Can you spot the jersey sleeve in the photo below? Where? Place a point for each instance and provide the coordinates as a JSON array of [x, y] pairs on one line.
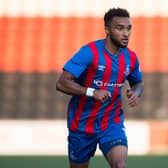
[[79, 62], [136, 74]]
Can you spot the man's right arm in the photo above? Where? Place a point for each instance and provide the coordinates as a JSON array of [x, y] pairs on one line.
[[66, 84]]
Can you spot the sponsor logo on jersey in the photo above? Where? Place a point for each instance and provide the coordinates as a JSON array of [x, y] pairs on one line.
[[101, 83]]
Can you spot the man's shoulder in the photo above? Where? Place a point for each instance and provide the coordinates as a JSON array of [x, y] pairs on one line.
[[96, 42], [131, 52], [92, 45]]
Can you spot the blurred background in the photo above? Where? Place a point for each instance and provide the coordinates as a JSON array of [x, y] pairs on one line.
[[37, 37]]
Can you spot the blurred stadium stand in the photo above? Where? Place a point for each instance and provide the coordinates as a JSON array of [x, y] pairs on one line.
[[30, 96], [33, 96]]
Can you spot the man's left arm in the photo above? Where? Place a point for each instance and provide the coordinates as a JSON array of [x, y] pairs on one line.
[[133, 94]]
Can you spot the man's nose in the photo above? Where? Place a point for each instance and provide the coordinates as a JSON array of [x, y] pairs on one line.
[[126, 32]]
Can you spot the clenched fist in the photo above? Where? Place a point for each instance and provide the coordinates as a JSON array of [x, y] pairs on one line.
[[101, 95]]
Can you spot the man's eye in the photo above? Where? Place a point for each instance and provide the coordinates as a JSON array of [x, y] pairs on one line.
[[120, 28]]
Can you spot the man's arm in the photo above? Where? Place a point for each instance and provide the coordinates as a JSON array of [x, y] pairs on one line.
[[134, 93], [66, 84], [138, 88]]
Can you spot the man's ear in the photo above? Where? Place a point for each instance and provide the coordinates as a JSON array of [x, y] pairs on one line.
[[107, 30]]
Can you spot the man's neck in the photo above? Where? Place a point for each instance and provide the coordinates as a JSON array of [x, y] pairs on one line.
[[111, 47]]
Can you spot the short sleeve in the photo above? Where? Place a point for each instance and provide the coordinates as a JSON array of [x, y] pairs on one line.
[[79, 62], [136, 74]]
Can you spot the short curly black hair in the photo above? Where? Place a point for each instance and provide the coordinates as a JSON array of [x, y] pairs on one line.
[[114, 12]]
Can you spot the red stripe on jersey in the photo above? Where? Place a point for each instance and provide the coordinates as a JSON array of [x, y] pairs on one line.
[[88, 82], [132, 59], [97, 104], [120, 78]]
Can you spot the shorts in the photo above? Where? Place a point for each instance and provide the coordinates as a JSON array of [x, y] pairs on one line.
[[81, 146]]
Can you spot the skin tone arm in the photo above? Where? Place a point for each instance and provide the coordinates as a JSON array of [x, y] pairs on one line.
[[66, 84], [134, 93]]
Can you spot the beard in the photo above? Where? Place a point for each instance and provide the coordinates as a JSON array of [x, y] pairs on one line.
[[116, 42]]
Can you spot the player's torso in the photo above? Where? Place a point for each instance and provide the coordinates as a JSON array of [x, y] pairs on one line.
[[105, 72]]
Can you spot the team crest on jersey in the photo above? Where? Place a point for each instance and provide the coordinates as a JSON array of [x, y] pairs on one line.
[[101, 67], [127, 70]]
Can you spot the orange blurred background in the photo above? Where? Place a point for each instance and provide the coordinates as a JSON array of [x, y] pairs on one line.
[[43, 44]]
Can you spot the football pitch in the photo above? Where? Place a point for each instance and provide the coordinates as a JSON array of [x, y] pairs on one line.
[[146, 161]]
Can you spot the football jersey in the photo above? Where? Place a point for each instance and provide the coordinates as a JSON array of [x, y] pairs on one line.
[[94, 66]]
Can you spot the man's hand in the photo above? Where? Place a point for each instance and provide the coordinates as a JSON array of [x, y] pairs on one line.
[[133, 99], [101, 95]]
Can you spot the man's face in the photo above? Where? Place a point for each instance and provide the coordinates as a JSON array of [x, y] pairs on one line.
[[119, 31]]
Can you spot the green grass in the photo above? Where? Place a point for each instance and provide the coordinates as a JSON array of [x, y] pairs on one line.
[[147, 161]]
